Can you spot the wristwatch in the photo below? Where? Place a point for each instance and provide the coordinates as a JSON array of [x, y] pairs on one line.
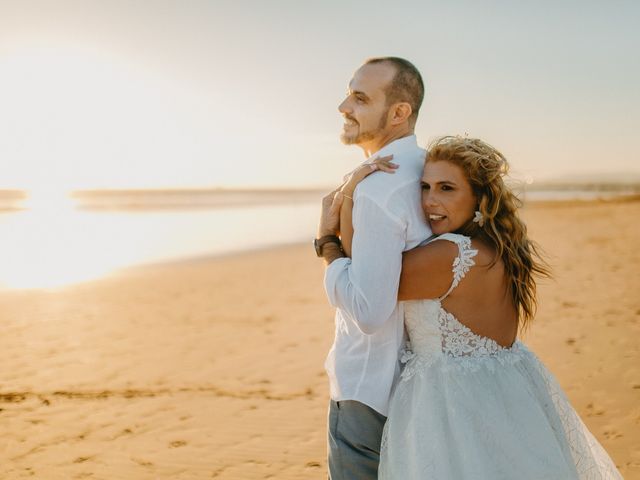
[[318, 243]]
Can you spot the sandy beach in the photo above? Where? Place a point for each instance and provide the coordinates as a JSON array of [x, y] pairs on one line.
[[213, 367]]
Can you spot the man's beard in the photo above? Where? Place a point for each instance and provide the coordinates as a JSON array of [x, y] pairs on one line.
[[363, 137]]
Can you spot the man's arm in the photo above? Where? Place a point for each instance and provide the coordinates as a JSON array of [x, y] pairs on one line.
[[366, 286]]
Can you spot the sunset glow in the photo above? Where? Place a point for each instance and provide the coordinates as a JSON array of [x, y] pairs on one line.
[[215, 95], [44, 248], [208, 95], [53, 244]]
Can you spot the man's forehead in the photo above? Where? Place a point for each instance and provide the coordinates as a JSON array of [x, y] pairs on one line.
[[371, 78]]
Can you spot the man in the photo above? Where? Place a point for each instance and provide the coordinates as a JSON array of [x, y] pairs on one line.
[[380, 112]]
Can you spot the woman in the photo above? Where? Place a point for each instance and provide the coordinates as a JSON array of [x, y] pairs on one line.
[[472, 401]]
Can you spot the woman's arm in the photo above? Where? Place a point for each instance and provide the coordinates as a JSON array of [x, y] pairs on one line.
[[346, 223], [426, 271]]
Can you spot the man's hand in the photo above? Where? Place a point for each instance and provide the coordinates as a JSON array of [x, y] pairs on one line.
[[330, 215]]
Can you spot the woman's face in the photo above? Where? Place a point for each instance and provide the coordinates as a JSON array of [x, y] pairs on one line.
[[447, 199]]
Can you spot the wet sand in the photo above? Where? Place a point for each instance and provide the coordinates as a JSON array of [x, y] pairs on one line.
[[213, 368]]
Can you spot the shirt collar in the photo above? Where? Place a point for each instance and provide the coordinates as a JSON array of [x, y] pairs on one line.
[[401, 145]]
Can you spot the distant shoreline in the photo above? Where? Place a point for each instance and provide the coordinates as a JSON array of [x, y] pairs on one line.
[[193, 235], [141, 200], [282, 247]]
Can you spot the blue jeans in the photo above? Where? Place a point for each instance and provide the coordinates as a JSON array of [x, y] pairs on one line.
[[354, 436]]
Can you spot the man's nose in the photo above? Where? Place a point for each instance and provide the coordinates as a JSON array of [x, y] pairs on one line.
[[344, 106]]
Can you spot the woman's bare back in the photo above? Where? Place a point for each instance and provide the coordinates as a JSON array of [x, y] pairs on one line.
[[481, 301]]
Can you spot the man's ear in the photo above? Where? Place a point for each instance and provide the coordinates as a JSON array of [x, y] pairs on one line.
[[400, 113]]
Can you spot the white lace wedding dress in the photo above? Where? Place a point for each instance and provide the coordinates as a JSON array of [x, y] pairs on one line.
[[467, 408]]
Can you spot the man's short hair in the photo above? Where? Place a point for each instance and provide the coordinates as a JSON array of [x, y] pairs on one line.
[[406, 86]]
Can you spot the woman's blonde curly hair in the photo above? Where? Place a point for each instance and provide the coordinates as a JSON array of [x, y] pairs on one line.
[[485, 169]]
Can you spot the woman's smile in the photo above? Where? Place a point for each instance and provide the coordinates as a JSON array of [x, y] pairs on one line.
[[446, 188]]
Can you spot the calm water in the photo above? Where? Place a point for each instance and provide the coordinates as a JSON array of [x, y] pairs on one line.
[[51, 242]]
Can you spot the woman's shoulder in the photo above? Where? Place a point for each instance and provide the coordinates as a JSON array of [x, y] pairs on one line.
[[463, 242], [437, 251], [431, 262], [441, 262], [465, 246]]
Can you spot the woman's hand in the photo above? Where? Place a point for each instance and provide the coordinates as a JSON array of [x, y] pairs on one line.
[[382, 164], [330, 214], [332, 202]]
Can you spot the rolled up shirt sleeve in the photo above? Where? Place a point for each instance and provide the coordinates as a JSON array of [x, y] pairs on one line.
[[365, 287]]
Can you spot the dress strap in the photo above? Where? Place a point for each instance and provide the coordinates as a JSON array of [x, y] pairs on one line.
[[463, 262]]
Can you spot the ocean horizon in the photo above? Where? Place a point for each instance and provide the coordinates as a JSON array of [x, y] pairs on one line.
[[214, 198], [50, 242]]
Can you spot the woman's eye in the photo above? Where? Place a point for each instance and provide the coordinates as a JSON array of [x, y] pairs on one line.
[[425, 187], [446, 187]]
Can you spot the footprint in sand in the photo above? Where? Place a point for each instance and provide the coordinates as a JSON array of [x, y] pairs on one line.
[[288, 346], [594, 411], [177, 444], [144, 463], [126, 431]]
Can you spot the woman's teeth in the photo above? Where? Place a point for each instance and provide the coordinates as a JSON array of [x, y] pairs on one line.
[[436, 217]]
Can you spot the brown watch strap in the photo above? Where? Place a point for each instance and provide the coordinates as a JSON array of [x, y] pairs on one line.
[[320, 242]]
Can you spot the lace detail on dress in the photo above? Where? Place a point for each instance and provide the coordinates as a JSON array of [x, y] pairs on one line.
[[463, 262], [437, 335], [440, 336], [406, 353], [468, 352], [459, 341]]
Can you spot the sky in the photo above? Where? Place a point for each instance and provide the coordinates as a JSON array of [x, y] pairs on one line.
[[193, 93]]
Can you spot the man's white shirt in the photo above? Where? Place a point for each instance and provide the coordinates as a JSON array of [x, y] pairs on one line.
[[387, 219]]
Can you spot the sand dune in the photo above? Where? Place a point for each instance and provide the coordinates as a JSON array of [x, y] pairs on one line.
[[213, 368]]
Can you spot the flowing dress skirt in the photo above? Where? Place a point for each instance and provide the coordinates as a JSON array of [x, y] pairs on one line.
[[500, 416]]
